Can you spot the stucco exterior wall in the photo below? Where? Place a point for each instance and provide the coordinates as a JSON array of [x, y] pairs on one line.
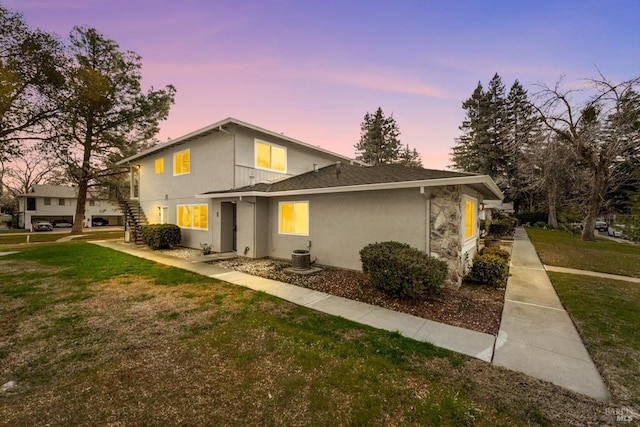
[[342, 224]]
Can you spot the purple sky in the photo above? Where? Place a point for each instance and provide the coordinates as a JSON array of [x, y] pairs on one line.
[[312, 69]]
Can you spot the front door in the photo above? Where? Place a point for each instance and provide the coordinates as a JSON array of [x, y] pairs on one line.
[[228, 228]]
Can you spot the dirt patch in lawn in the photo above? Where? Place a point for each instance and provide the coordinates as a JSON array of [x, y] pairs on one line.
[[474, 307]]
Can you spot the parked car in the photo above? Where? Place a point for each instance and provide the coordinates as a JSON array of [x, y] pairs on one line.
[[601, 226], [42, 226], [60, 223], [99, 222], [615, 230]]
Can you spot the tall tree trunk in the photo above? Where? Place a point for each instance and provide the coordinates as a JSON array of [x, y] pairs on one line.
[[597, 190], [84, 178], [78, 220], [552, 196]]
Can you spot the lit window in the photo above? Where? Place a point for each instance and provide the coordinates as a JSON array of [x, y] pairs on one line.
[[200, 217], [193, 216], [182, 162], [184, 216], [294, 218], [159, 166], [470, 219], [269, 156]]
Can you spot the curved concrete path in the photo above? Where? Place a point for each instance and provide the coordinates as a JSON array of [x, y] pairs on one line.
[[536, 335]]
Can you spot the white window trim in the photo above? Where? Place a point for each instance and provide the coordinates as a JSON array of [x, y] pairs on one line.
[[173, 166], [308, 217], [255, 156], [191, 215], [463, 228]]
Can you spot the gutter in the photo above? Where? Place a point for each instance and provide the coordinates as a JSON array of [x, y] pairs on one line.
[[466, 180]]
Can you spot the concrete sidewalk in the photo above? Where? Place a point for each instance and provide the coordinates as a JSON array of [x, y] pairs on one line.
[[591, 273], [470, 343], [536, 335]]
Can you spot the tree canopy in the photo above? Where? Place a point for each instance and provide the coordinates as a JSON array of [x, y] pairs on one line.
[[31, 73], [103, 111], [380, 143]]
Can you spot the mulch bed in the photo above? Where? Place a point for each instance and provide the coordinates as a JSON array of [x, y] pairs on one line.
[[474, 307]]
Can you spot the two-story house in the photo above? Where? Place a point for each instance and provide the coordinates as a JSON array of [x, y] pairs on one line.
[[242, 188], [57, 203]]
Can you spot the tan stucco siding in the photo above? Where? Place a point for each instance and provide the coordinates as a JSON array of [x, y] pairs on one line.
[[342, 224]]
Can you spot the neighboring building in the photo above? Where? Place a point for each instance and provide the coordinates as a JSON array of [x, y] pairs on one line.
[[242, 188], [490, 206], [58, 203]]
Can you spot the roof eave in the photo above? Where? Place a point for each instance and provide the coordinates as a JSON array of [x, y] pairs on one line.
[[486, 181], [216, 127]]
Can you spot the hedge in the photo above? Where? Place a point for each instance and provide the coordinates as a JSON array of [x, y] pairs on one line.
[[160, 236], [402, 271]]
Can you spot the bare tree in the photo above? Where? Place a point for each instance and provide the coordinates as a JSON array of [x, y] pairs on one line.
[[599, 124], [29, 168]]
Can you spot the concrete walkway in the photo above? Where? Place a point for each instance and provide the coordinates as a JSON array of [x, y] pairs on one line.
[[536, 335], [591, 273]]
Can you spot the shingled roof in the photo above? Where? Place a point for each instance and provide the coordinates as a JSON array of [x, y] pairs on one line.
[[352, 176]]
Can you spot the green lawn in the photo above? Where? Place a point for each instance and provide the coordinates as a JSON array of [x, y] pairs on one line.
[[97, 337], [606, 312], [11, 238], [565, 250]]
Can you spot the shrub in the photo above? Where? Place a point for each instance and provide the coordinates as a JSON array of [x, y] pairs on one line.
[[501, 227], [495, 250], [402, 271], [490, 269], [160, 236]]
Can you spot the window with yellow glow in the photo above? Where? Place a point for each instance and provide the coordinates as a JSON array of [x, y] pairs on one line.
[[184, 216], [193, 216], [294, 218], [470, 219], [159, 166], [182, 162], [269, 156]]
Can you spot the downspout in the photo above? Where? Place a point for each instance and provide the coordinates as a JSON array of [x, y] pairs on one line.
[[427, 195]]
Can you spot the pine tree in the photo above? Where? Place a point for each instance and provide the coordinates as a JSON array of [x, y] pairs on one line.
[[379, 141]]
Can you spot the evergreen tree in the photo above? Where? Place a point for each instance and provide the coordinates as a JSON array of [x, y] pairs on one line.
[[523, 134], [379, 142], [497, 131], [104, 111]]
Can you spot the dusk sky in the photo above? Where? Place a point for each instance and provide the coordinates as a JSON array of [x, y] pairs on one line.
[[312, 69]]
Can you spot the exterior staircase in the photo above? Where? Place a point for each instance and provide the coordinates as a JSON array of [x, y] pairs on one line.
[[134, 217]]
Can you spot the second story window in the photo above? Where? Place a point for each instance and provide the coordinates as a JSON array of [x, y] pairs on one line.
[[47, 201], [159, 166], [31, 203], [270, 156], [182, 162], [61, 202]]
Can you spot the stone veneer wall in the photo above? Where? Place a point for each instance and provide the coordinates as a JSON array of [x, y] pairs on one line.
[[445, 223]]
